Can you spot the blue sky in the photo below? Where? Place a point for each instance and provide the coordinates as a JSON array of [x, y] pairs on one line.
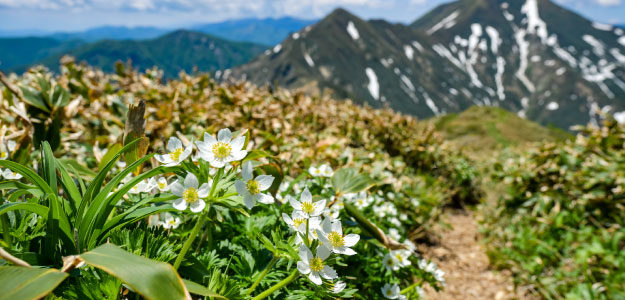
[[68, 15]]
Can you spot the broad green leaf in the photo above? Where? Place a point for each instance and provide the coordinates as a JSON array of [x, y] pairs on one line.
[[25, 283], [151, 279], [256, 154], [33, 98], [198, 289], [348, 180], [134, 216]]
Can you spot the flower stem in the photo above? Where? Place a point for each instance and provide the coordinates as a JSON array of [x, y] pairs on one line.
[[412, 286], [278, 285], [189, 241], [6, 230], [262, 275]]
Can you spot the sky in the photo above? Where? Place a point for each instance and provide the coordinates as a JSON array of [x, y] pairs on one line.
[[75, 15]]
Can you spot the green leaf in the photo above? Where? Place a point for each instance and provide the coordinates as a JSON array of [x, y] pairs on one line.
[[256, 154], [28, 283], [32, 207], [109, 155], [151, 279], [348, 180], [33, 98], [198, 289], [80, 169]]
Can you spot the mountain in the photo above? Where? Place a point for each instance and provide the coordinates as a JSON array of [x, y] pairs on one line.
[[111, 33], [16, 52], [260, 31], [532, 57], [173, 52]]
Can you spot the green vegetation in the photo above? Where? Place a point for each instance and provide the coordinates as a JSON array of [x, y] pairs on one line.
[[559, 226]]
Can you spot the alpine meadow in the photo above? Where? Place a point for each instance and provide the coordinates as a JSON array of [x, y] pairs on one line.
[[226, 150]]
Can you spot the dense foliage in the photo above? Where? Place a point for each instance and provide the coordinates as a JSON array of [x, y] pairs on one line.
[[82, 170], [560, 225]]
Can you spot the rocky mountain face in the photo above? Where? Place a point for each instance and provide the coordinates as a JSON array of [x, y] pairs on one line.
[[532, 57]]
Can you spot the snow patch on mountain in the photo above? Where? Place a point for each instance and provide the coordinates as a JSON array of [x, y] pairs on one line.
[[553, 105], [523, 53], [621, 41], [277, 48], [446, 22], [601, 26], [620, 117], [598, 47], [417, 46], [309, 60], [373, 86], [352, 31], [535, 25], [495, 41], [501, 64], [409, 51]]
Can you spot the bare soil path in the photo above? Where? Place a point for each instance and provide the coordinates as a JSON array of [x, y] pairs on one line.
[[467, 270]]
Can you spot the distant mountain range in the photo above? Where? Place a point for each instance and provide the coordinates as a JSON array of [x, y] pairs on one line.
[[19, 52], [532, 57], [174, 52]]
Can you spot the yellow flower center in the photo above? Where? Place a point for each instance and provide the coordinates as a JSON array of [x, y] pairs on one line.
[[316, 264], [190, 195], [308, 207], [253, 187], [172, 222], [161, 185], [298, 222], [389, 292], [175, 155], [4, 154], [221, 150], [336, 239]]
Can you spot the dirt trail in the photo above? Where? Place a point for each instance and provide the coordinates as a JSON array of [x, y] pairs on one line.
[[466, 265]]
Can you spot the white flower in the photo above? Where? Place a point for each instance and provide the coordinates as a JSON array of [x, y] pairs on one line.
[[297, 222], [7, 148], [162, 185], [250, 188], [8, 174], [143, 186], [391, 291], [316, 172], [338, 287], [362, 200], [189, 193], [314, 223], [326, 170], [401, 257], [171, 222], [331, 235], [218, 152], [394, 234], [177, 153], [390, 263], [314, 266], [307, 206]]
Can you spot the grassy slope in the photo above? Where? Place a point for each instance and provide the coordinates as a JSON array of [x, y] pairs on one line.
[[480, 131]]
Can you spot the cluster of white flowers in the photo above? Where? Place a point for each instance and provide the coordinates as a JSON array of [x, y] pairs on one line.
[[6, 148], [167, 220], [322, 171], [431, 267], [361, 200], [309, 214]]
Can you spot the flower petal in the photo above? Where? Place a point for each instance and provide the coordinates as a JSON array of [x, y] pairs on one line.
[[305, 254], [315, 278], [173, 143], [191, 181], [176, 188], [326, 225], [209, 140], [328, 273], [264, 198], [180, 204], [336, 226], [264, 181], [351, 239], [224, 135], [323, 252], [241, 188], [164, 159], [306, 196], [247, 171], [237, 155], [237, 143], [319, 207], [294, 203], [197, 206], [303, 267], [203, 191], [216, 163], [249, 201], [287, 219], [322, 237], [345, 251]]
